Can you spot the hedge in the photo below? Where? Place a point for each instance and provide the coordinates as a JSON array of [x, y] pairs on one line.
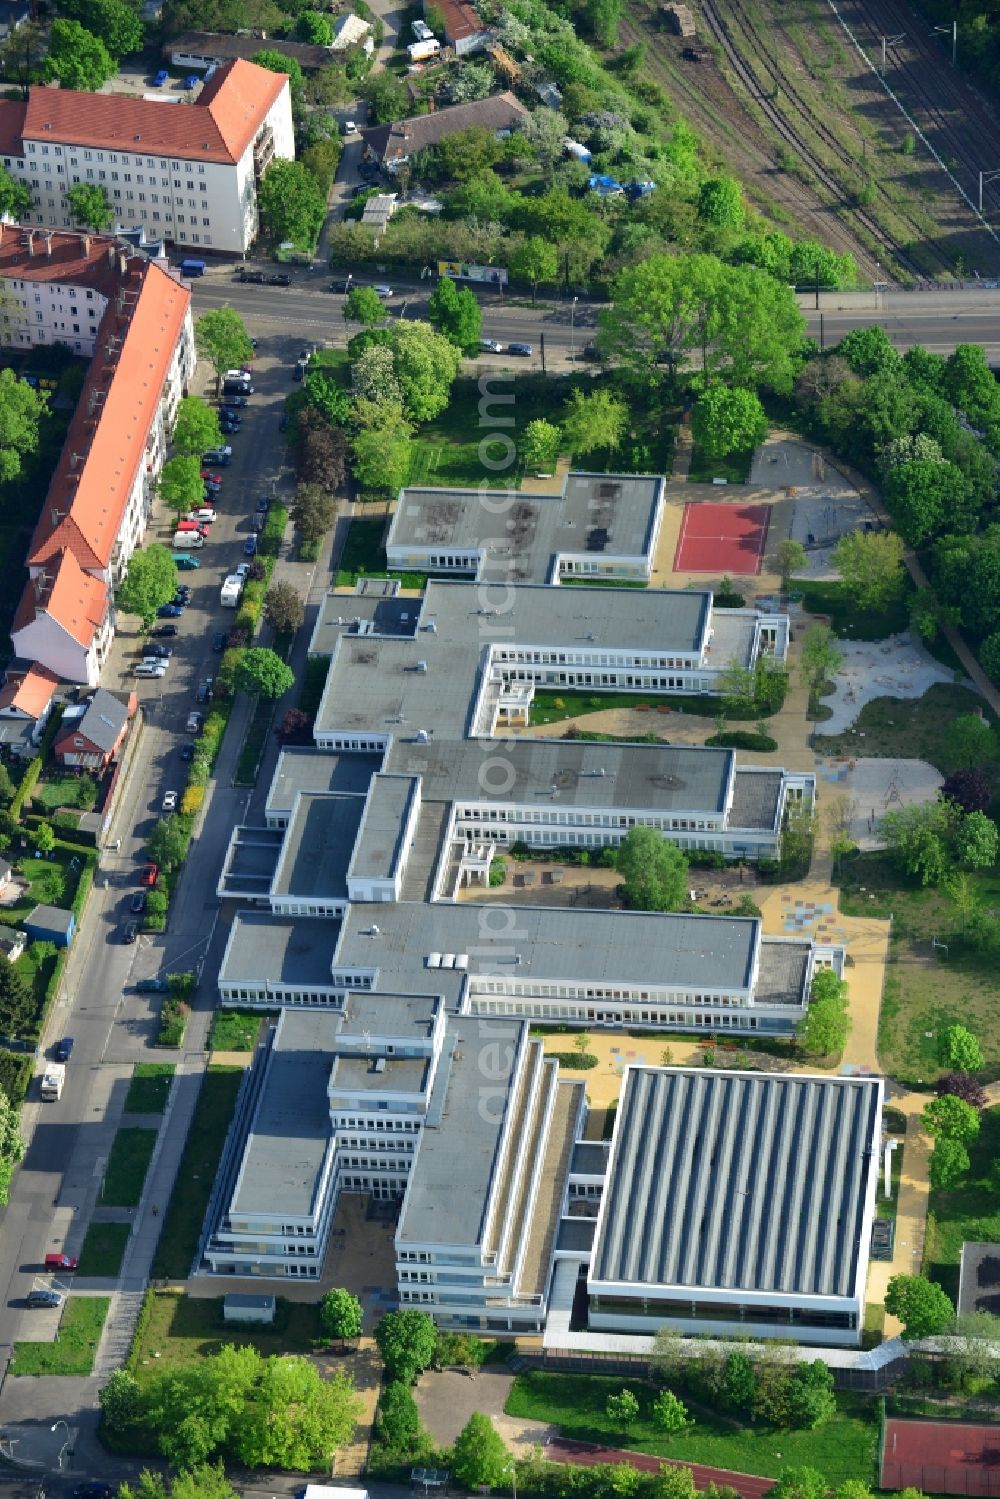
[[28, 782], [16, 1072], [743, 739], [580, 1061]]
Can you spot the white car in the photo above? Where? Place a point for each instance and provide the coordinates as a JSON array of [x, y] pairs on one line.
[[169, 801], [161, 661], [150, 668], [490, 346], [382, 291], [204, 517], [243, 571]]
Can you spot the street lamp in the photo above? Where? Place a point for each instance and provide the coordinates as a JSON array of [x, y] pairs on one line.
[[951, 31], [572, 331], [69, 1437], [891, 41]]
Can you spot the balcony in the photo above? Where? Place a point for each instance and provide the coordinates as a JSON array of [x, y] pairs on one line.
[[263, 152]]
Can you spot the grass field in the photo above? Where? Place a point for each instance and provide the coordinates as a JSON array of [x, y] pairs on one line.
[[76, 1343], [183, 1329], [196, 1175], [103, 1248], [844, 1448], [912, 729], [735, 467], [846, 619], [254, 743], [127, 1166], [65, 791], [924, 990], [149, 1088], [971, 1211], [235, 1030], [364, 556], [556, 707]]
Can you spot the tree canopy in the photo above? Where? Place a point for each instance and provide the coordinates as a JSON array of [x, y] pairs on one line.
[[117, 24], [950, 1118], [594, 421], [654, 871], [15, 196], [181, 485], [220, 336], [871, 565], [89, 205], [920, 1304], [77, 58], [480, 1456], [826, 1023], [167, 842], [283, 608], [151, 580], [364, 305], [959, 1050], [340, 1314], [455, 312], [262, 673], [291, 203], [196, 428], [21, 411], [727, 421], [406, 1340]]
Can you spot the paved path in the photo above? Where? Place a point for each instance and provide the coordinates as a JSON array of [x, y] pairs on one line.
[[587, 1455]]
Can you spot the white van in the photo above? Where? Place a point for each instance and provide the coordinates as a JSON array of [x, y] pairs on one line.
[[188, 541]]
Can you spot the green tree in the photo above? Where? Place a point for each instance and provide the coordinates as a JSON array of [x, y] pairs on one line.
[[479, 1456], [118, 24], [364, 305], [291, 205], [312, 511], [924, 498], [949, 1163], [21, 410], [15, 197], [825, 1026], [294, 1418], [196, 428], [603, 17], [406, 1340], [970, 742], [220, 336], [373, 376], [43, 838], [791, 558], [950, 1118], [821, 658], [959, 1051], [381, 447], [327, 395], [206, 1481], [871, 565], [386, 97], [535, 261], [727, 421], [593, 422], [397, 1423], [283, 608], [120, 1401], [262, 673], [798, 1483], [340, 1314], [151, 580], [90, 206], [277, 62], [17, 1005], [918, 839], [622, 1409], [11, 1145], [811, 1401], [181, 485], [426, 366], [654, 871], [314, 28], [77, 58], [739, 1382], [675, 1483], [920, 1304], [868, 351], [976, 841], [455, 312], [168, 841], [467, 154], [720, 202], [669, 1413], [540, 445]]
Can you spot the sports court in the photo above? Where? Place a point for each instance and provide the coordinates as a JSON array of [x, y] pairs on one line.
[[941, 1457], [722, 539]]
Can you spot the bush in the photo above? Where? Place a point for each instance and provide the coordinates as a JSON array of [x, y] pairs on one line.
[[16, 1071], [192, 799], [743, 739], [173, 1021], [582, 1061], [498, 873]]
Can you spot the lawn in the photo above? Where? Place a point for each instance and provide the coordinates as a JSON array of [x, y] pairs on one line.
[[555, 707], [183, 1329], [235, 1030], [65, 791], [104, 1248], [971, 1211], [149, 1088], [911, 729], [735, 467], [254, 742], [196, 1175], [844, 1448], [925, 991], [833, 599], [127, 1166], [75, 1345]]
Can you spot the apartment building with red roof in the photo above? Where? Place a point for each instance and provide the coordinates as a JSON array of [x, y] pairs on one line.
[[184, 172], [134, 318]]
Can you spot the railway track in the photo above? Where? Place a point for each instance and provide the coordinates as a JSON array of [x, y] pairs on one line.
[[794, 138]]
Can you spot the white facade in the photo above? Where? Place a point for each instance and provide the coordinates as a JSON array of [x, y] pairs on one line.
[[45, 640]]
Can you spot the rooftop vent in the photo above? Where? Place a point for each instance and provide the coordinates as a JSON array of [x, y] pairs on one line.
[[422, 736], [421, 666], [433, 960], [378, 1064]]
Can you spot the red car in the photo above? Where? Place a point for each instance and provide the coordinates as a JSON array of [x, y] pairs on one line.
[[214, 479], [150, 874], [60, 1262]]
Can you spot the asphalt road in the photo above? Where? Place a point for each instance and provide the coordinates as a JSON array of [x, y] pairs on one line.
[[58, 1183], [938, 320]]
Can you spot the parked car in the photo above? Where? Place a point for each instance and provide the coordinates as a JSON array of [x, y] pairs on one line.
[[204, 691], [164, 631], [243, 570], [194, 722], [42, 1299], [169, 611], [229, 425], [160, 78], [183, 561], [138, 903], [258, 520], [150, 669], [283, 422], [383, 291], [254, 278], [61, 1261], [222, 456], [214, 481], [152, 986], [205, 514], [524, 350], [187, 752], [490, 346], [64, 1049], [280, 278], [250, 546], [169, 803], [150, 874], [130, 932], [235, 402], [218, 640], [156, 652], [94, 1491], [263, 503]]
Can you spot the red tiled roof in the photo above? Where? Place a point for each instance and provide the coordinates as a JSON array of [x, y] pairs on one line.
[[106, 440], [218, 126], [459, 19], [73, 598], [12, 113], [29, 692], [73, 258]]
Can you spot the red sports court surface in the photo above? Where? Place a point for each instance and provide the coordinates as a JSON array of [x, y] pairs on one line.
[[941, 1457], [722, 538]]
